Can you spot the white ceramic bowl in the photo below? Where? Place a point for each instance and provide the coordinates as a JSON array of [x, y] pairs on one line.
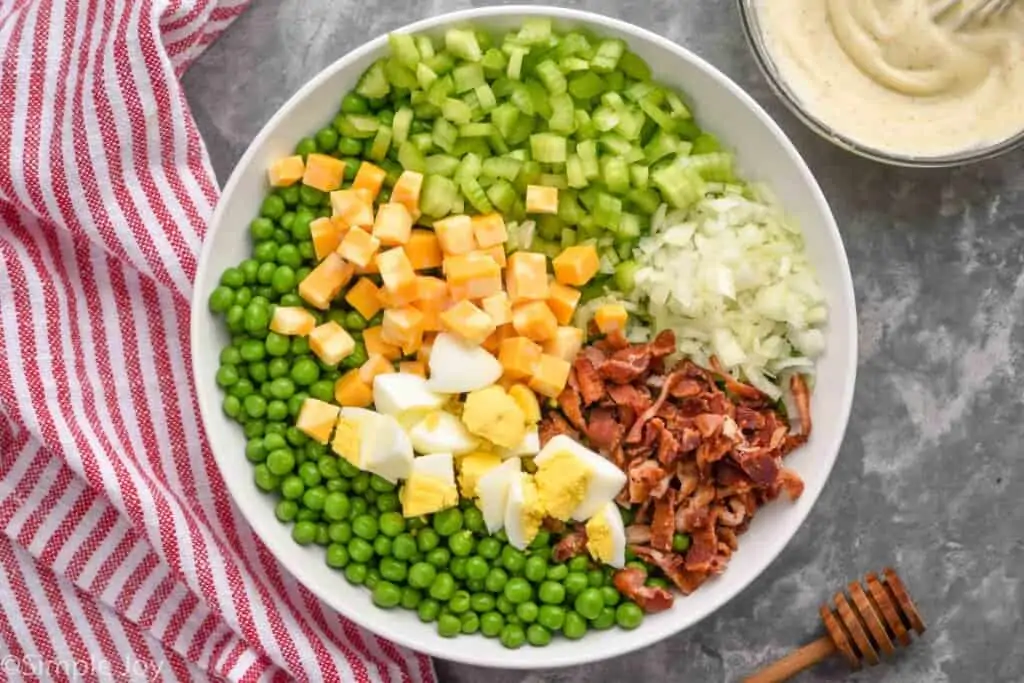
[[765, 154]]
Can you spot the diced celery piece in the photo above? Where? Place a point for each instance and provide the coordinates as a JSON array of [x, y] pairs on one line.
[[374, 83], [716, 166], [574, 172], [687, 129], [639, 175], [615, 143], [403, 48], [641, 91], [706, 143], [424, 141], [605, 119], [679, 110], [574, 43], [391, 172], [411, 158], [631, 123], [541, 99], [359, 126], [534, 31], [522, 130], [456, 111], [646, 200], [623, 251], [553, 180], [634, 67], [663, 144], [466, 146], [609, 53], [586, 85], [445, 134], [615, 174], [458, 205], [470, 100], [425, 47], [400, 76], [400, 126], [552, 78], [615, 81], [497, 144], [475, 195], [589, 197], [654, 112], [439, 197], [519, 155], [501, 167], [515, 63], [681, 186], [441, 165], [463, 44], [494, 62], [504, 118], [613, 101], [529, 175], [549, 249], [467, 76], [426, 112], [549, 227], [425, 76], [548, 148], [608, 211], [520, 97], [485, 96], [588, 158], [630, 226], [563, 114], [441, 63], [569, 64], [584, 126], [476, 130], [625, 276], [568, 237], [502, 195], [568, 209], [470, 167], [440, 90]]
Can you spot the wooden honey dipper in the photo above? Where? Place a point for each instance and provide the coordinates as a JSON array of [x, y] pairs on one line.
[[858, 628]]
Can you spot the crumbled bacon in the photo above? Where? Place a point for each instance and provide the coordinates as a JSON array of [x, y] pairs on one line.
[[570, 546], [651, 599], [554, 424], [699, 459]]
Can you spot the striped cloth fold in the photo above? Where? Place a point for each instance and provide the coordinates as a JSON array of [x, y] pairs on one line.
[[122, 556]]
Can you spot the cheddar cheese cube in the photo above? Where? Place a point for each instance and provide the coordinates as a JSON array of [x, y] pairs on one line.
[[541, 199], [364, 297], [359, 247], [355, 207], [407, 190], [526, 277], [489, 230], [611, 317], [286, 171], [398, 275], [497, 252], [431, 289], [324, 283], [518, 356], [498, 307], [292, 320], [413, 367], [316, 419], [467, 321], [576, 265], [455, 234], [493, 343], [550, 375], [566, 343], [326, 234], [472, 276], [423, 250], [331, 343], [562, 300], [350, 390], [534, 320], [402, 326], [393, 225], [375, 365], [373, 339], [369, 178], [323, 172]]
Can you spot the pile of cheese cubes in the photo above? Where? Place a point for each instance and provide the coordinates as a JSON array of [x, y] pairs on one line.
[[507, 305]]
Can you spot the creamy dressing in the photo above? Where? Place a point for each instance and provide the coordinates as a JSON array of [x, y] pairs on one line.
[[887, 75]]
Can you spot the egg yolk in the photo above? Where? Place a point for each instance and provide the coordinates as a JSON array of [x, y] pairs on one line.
[[423, 494], [599, 538], [346, 440], [472, 467], [532, 511], [494, 415], [562, 482]]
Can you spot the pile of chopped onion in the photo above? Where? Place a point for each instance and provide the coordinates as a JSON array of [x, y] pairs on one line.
[[730, 277]]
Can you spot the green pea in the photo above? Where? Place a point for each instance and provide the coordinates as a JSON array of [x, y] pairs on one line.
[[256, 319], [277, 411], [535, 569], [680, 543], [337, 555], [304, 532], [306, 252], [541, 540], [439, 557], [305, 372], [477, 568], [504, 605], [265, 293], [381, 485], [354, 104], [227, 375], [580, 563], [459, 602], [442, 587], [360, 550], [277, 367], [457, 567], [251, 350], [310, 474], [388, 502], [512, 559], [575, 583], [410, 598], [575, 626], [628, 615], [248, 268], [537, 635], [352, 167], [261, 229], [359, 507], [300, 275], [361, 483], [310, 196], [470, 623], [289, 194], [372, 578], [221, 299], [277, 344], [496, 580], [235, 318], [473, 520], [280, 462], [427, 540], [605, 620], [357, 357], [512, 636], [265, 479], [392, 524], [355, 572], [282, 388], [610, 596], [300, 226], [326, 140], [447, 522], [386, 594], [273, 442], [255, 406], [428, 610], [589, 603], [339, 485], [527, 612], [314, 498], [404, 545], [281, 235], [448, 626], [322, 390], [365, 527], [349, 147], [386, 117], [461, 543], [288, 256], [306, 147], [286, 510], [322, 538], [481, 602], [254, 451], [551, 617], [232, 406], [292, 487], [283, 279], [491, 624], [253, 428], [307, 515], [518, 590], [595, 577], [340, 532], [382, 546], [336, 506], [232, 277], [422, 575], [551, 593], [272, 207], [488, 548]]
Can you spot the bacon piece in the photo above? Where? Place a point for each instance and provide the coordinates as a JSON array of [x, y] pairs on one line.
[[612, 342], [668, 445], [672, 565], [688, 439], [696, 514], [570, 546], [554, 424], [638, 534], [703, 549], [630, 395], [791, 483], [731, 514], [664, 344], [749, 419], [644, 475], [663, 526], [651, 599], [569, 402], [736, 387], [759, 464], [709, 424], [636, 431], [802, 398], [591, 386], [626, 365], [555, 526], [687, 388], [603, 431]]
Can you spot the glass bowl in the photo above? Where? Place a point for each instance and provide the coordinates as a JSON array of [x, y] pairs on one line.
[[755, 37]]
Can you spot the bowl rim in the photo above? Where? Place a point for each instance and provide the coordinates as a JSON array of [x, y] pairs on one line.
[[238, 487], [762, 56]]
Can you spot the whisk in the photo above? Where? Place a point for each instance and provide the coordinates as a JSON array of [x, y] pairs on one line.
[[970, 11]]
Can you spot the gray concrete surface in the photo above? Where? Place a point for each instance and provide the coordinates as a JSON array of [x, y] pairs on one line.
[[931, 474]]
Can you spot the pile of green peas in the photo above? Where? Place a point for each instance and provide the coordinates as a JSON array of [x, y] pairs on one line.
[[445, 566]]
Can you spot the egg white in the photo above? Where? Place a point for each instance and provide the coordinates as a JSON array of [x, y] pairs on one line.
[[609, 512], [456, 367], [515, 510], [492, 492], [384, 447], [606, 479], [530, 445], [395, 393], [442, 432]]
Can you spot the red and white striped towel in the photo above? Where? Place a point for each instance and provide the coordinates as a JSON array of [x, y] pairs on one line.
[[121, 554]]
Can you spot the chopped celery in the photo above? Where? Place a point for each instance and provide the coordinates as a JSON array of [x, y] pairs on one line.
[[438, 196], [424, 141], [639, 175], [613, 101], [494, 62], [411, 158], [625, 276], [381, 144], [476, 130], [608, 54], [359, 126], [616, 144], [400, 126], [646, 200], [441, 165], [634, 67], [445, 134], [425, 47], [441, 63], [630, 227], [469, 167], [515, 63], [540, 98], [534, 31], [463, 44], [563, 115], [586, 85], [466, 146], [706, 143], [681, 186], [607, 211], [568, 237], [553, 180], [574, 44], [615, 174], [548, 148], [502, 195], [663, 144], [467, 77], [501, 167], [404, 49], [574, 171], [649, 91], [456, 111], [485, 96], [520, 97], [584, 126], [615, 81], [504, 118], [631, 123], [569, 64], [550, 227], [440, 90], [497, 143], [588, 158], [568, 210], [679, 110], [552, 78], [653, 111], [522, 130], [374, 83], [425, 76], [605, 119], [716, 166], [399, 76], [624, 250], [475, 195], [521, 236]]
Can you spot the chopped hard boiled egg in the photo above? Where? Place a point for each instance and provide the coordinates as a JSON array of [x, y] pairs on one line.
[[492, 492], [441, 432], [396, 393], [430, 486], [474, 466], [560, 483], [524, 511], [457, 367], [606, 536], [529, 445], [373, 442], [492, 414]]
